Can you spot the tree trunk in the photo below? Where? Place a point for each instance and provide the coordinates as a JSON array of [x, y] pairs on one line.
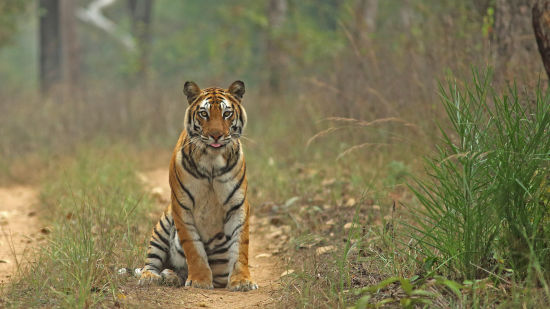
[[513, 37], [365, 19], [406, 13], [70, 52], [541, 26], [276, 60], [50, 45], [370, 12], [140, 12]]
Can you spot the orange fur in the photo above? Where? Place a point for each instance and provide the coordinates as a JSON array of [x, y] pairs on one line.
[[209, 210]]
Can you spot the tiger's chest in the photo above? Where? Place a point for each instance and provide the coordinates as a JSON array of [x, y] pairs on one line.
[[208, 212]]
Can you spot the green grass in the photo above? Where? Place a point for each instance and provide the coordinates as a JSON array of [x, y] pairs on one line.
[[97, 209], [484, 207]]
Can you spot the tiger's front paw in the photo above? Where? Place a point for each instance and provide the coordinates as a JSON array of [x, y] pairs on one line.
[[149, 277], [201, 284], [170, 277], [243, 285]]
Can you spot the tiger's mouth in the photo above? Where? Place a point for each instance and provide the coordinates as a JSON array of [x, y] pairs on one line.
[[216, 145]]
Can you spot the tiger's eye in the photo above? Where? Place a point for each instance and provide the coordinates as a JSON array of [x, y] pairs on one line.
[[227, 114], [203, 114]]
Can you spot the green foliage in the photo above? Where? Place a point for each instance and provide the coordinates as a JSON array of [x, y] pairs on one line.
[[397, 171], [484, 197], [416, 293], [488, 21], [10, 12], [95, 205]]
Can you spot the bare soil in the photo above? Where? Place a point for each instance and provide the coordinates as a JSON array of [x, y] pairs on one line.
[[265, 267], [20, 229]]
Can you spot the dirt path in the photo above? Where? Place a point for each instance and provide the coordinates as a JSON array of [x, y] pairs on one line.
[[265, 268], [20, 229]]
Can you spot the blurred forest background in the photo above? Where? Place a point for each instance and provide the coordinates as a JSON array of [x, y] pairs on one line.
[[116, 67], [345, 98]]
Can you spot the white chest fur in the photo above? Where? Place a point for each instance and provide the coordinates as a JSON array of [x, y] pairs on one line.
[[208, 212]]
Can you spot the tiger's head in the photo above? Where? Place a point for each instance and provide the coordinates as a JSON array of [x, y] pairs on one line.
[[215, 116]]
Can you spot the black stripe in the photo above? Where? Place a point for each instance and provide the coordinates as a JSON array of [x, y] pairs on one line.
[[233, 209], [229, 166], [189, 119], [181, 253], [154, 256], [237, 186], [186, 161], [227, 239], [217, 236], [236, 228], [240, 113], [158, 246], [153, 266], [218, 261], [163, 227], [221, 250], [164, 240], [180, 203], [221, 275], [202, 172], [183, 187]]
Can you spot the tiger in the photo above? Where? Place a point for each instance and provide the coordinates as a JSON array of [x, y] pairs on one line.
[[202, 237]]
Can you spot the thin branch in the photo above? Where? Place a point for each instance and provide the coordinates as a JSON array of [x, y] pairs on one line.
[[93, 15]]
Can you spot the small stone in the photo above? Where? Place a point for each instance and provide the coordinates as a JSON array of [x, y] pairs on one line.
[[291, 201], [326, 249], [157, 192], [350, 202], [45, 230], [327, 206], [287, 272], [122, 271], [263, 255], [142, 178], [349, 225]]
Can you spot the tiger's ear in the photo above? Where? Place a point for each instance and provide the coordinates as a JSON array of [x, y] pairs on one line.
[[237, 89], [191, 90]]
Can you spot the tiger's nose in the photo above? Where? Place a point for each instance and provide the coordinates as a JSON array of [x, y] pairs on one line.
[[216, 136]]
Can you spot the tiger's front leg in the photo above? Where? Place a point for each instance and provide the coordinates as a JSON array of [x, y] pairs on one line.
[[240, 279], [199, 272]]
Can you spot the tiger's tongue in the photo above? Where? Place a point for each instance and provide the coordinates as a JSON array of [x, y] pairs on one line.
[[215, 145]]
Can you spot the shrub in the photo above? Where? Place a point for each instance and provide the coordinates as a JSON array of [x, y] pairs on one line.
[[483, 202]]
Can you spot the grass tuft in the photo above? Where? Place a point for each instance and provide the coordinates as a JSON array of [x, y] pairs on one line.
[[96, 206], [484, 210]]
